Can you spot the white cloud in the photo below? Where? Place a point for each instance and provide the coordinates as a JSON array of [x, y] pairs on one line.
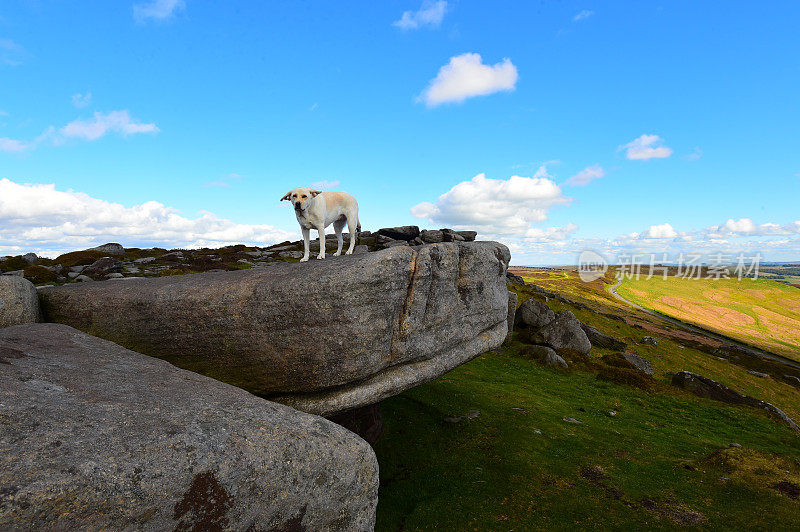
[[224, 182], [535, 234], [696, 154], [747, 227], [465, 76], [11, 53], [115, 121], [157, 9], [81, 100], [586, 176], [429, 14], [495, 206], [647, 147], [119, 122], [14, 146], [44, 220], [583, 15], [664, 230], [325, 185]]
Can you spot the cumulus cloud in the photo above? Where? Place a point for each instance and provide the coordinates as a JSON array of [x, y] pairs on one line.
[[495, 206], [99, 125], [48, 221], [583, 15], [158, 10], [646, 147], [324, 185], [586, 176], [13, 145], [81, 100], [747, 227], [465, 76], [664, 230], [430, 14]]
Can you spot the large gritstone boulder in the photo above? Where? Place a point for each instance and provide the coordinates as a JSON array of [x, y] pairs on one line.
[[96, 437], [322, 336], [19, 303]]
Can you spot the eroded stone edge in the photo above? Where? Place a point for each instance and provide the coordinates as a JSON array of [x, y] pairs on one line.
[[396, 379]]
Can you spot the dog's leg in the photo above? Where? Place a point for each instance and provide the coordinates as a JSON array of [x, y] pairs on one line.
[[338, 225], [306, 244], [321, 231], [352, 224]]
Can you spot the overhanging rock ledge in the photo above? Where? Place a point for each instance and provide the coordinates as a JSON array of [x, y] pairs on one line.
[[322, 336]]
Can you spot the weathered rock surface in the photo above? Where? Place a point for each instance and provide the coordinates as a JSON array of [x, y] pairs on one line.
[[705, 387], [534, 313], [599, 339], [111, 248], [649, 340], [640, 363], [19, 302], [564, 334], [544, 355], [323, 336], [512, 311], [406, 232], [93, 436]]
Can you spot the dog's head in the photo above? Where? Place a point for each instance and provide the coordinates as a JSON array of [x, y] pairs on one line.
[[299, 197]]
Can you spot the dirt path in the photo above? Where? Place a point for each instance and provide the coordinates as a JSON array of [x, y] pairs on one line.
[[701, 331]]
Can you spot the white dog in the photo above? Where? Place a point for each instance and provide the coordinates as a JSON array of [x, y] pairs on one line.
[[317, 210]]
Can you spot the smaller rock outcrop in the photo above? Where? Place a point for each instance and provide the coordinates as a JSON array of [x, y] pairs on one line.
[[544, 355], [535, 314], [19, 302], [111, 248], [630, 361], [599, 339], [705, 387], [565, 335], [649, 340]]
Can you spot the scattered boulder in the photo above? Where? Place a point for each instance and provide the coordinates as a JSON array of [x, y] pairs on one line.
[[544, 355], [365, 327], [564, 334], [631, 361], [759, 374], [105, 438], [30, 258], [19, 302], [649, 340], [599, 339], [110, 249], [431, 236], [535, 314], [468, 236], [102, 267], [515, 279], [705, 387], [406, 232]]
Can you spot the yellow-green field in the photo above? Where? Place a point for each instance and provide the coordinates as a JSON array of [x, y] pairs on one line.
[[761, 312]]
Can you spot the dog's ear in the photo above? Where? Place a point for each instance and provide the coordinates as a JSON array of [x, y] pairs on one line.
[[314, 193], [287, 196]]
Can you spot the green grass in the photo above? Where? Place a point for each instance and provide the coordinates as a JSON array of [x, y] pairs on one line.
[[762, 312], [497, 472]]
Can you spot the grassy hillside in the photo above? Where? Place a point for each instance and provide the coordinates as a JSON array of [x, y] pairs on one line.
[[762, 312], [640, 458]]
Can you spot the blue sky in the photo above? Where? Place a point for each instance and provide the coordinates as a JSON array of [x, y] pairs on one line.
[[632, 125]]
